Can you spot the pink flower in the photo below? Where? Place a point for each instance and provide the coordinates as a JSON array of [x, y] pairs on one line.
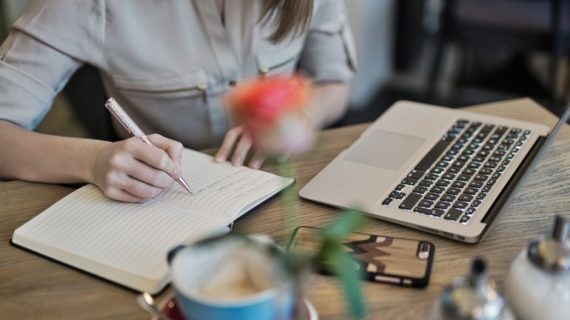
[[271, 110]]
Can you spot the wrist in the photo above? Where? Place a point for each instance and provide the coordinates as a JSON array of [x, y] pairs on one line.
[[88, 172]]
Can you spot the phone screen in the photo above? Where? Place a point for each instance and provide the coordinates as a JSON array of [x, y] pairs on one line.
[[383, 259]]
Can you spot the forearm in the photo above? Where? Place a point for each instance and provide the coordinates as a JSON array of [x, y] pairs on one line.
[[39, 157], [329, 104]]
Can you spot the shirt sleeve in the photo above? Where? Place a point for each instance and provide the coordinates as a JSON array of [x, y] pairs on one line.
[[329, 52], [39, 56]]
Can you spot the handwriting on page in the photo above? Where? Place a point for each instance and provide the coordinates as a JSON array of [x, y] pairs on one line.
[[221, 188]]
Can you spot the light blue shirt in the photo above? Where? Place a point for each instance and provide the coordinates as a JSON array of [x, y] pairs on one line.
[[168, 63]]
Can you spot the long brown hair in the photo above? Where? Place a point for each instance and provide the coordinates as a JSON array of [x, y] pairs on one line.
[[292, 17]]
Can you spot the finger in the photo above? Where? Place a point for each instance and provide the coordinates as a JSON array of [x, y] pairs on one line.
[[146, 174], [138, 188], [121, 195], [257, 160], [243, 147], [229, 141], [171, 147], [154, 157]]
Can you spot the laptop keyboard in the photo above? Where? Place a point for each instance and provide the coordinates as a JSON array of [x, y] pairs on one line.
[[455, 176]]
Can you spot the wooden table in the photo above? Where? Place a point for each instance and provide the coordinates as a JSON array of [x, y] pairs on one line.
[[32, 287]]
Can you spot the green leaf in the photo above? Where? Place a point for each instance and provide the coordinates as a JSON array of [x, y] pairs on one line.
[[349, 277], [346, 223]]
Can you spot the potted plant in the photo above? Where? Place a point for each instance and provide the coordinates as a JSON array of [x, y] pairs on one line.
[[241, 276]]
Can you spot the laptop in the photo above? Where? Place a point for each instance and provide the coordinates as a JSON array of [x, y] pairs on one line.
[[440, 170]]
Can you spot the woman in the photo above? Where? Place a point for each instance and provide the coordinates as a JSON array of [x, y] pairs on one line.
[[168, 63]]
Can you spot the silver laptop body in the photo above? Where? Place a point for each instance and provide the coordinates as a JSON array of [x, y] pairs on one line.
[[410, 167]]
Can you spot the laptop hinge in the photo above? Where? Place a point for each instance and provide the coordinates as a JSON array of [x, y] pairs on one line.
[[512, 183]]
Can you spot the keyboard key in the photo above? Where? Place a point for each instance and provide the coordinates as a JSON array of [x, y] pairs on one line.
[[400, 195], [476, 203], [486, 188], [431, 196], [480, 177], [448, 176], [409, 181], [469, 172], [470, 211], [442, 205], [470, 191], [460, 205], [436, 170], [454, 191], [432, 155], [491, 182], [481, 196], [425, 203], [463, 158], [442, 164], [448, 197], [453, 170], [437, 189], [438, 212], [501, 168], [400, 187], [491, 164], [486, 171], [387, 201], [474, 165], [465, 197], [463, 177], [458, 184], [476, 184], [425, 183], [393, 194], [416, 174], [410, 201], [453, 214], [424, 210], [464, 219], [442, 183], [496, 175], [420, 189], [431, 176]]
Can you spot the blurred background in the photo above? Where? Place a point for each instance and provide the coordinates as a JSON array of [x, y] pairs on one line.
[[447, 52]]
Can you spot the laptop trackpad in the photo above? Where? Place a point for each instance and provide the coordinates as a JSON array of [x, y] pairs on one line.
[[385, 150]]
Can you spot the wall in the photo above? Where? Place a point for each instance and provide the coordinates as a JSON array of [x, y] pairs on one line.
[[372, 23]]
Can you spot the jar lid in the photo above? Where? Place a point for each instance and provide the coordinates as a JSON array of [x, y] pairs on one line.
[[553, 252], [473, 296]]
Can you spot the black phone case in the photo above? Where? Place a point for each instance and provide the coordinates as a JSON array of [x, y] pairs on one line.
[[383, 259]]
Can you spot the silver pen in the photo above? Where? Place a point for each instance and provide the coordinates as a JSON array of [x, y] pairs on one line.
[[129, 125]]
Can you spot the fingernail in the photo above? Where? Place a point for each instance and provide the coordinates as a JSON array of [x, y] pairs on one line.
[[219, 159], [255, 164], [176, 173], [237, 161]]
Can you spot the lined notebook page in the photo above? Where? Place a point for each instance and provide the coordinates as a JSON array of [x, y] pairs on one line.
[[129, 237], [103, 234], [221, 187]]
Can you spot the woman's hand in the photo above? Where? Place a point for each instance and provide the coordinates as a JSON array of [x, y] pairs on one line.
[[241, 144], [133, 171]]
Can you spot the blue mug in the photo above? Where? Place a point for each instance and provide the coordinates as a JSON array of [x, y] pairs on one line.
[[208, 280]]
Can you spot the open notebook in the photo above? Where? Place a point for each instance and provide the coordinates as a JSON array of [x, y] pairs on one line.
[[127, 243]]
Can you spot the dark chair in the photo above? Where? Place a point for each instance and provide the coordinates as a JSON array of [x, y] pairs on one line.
[[519, 25]]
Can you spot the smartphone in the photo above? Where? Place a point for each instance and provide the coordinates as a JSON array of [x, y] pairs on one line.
[[391, 260]]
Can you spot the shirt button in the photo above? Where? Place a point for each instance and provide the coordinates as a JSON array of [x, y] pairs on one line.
[[232, 83]]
